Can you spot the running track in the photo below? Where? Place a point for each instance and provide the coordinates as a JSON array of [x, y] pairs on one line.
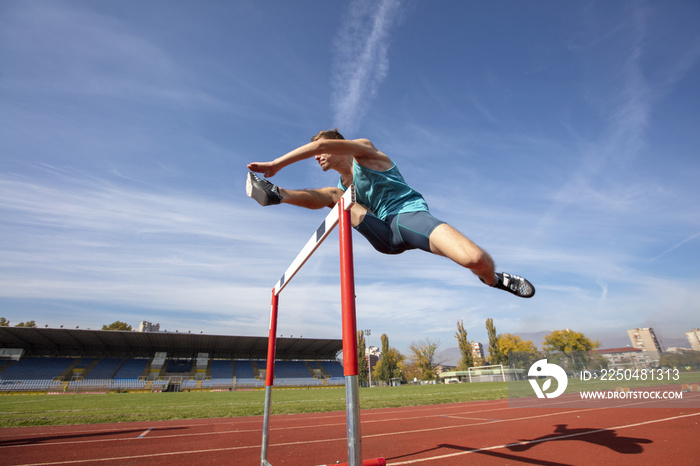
[[487, 432]]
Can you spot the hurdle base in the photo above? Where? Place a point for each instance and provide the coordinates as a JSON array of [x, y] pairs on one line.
[[374, 462]]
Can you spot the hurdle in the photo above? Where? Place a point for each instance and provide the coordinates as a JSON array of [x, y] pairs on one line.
[[340, 214]]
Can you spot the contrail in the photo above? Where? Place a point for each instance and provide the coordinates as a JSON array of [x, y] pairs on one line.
[[362, 58]]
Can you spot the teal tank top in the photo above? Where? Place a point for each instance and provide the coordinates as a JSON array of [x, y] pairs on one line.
[[384, 193]]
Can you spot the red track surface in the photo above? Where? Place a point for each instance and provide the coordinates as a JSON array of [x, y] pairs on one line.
[[454, 434]]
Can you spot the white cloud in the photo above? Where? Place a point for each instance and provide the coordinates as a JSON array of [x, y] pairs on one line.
[[361, 61]]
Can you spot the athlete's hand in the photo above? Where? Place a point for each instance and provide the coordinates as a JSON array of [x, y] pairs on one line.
[[268, 169]]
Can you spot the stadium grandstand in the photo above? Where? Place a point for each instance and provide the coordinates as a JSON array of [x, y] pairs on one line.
[[77, 361]]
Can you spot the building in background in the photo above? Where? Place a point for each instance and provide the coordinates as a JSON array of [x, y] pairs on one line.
[[625, 358], [149, 327], [478, 353], [694, 338], [645, 340]]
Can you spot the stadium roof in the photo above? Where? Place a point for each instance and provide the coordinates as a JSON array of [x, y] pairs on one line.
[[105, 343]]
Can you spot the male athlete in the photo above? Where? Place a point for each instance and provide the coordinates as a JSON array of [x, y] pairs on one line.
[[390, 214]]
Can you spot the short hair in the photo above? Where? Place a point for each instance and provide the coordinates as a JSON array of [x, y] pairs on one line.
[[328, 134]]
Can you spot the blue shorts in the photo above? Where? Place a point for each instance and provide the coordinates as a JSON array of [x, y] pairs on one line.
[[400, 232]]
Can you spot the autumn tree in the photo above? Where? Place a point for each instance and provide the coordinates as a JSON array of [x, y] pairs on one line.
[[118, 325], [574, 346], [465, 348], [363, 370], [683, 362], [508, 342], [424, 354], [388, 366], [382, 370], [495, 355], [520, 353], [4, 322], [409, 370]]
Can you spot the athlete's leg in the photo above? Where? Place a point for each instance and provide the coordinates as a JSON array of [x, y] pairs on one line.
[[319, 198], [266, 193], [311, 198], [448, 242]]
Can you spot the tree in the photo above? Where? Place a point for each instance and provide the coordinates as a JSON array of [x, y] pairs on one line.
[[394, 361], [409, 370], [683, 362], [363, 371], [465, 348], [30, 323], [567, 342], [385, 365], [573, 345], [521, 354], [381, 369], [388, 366], [495, 355], [118, 325], [4, 322], [424, 355], [508, 342]]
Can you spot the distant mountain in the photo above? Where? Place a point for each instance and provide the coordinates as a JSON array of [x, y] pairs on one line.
[[449, 357]]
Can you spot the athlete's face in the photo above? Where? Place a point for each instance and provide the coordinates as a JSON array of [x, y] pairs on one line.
[[333, 161], [324, 161]]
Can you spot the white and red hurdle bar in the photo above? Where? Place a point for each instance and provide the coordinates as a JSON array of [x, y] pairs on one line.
[[340, 214]]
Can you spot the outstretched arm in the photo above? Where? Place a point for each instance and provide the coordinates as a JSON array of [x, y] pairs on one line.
[[362, 150], [269, 169]]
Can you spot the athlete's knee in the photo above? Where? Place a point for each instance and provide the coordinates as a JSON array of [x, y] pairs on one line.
[[471, 256], [482, 261], [447, 241], [333, 194], [327, 197]]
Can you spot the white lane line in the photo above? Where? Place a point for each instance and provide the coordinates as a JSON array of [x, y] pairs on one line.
[[549, 439], [421, 460]]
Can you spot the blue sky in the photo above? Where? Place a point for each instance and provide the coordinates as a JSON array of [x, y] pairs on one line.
[[562, 137]]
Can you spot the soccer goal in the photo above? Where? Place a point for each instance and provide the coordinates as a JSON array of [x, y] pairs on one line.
[[339, 215], [488, 370]]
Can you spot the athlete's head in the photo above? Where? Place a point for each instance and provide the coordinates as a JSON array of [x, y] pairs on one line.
[[328, 134], [324, 160]]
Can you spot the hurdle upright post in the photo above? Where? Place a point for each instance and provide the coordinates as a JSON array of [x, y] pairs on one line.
[[350, 359], [340, 215], [269, 377]]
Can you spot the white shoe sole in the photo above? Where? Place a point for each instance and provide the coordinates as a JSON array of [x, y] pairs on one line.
[[259, 195]]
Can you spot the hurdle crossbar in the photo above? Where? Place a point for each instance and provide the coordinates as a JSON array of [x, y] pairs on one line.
[[322, 232], [340, 214]]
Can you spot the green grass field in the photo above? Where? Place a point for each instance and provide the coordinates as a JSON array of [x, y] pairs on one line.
[[35, 410]]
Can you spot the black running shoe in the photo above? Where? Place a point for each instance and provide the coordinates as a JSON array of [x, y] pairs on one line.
[[515, 284], [262, 191]]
